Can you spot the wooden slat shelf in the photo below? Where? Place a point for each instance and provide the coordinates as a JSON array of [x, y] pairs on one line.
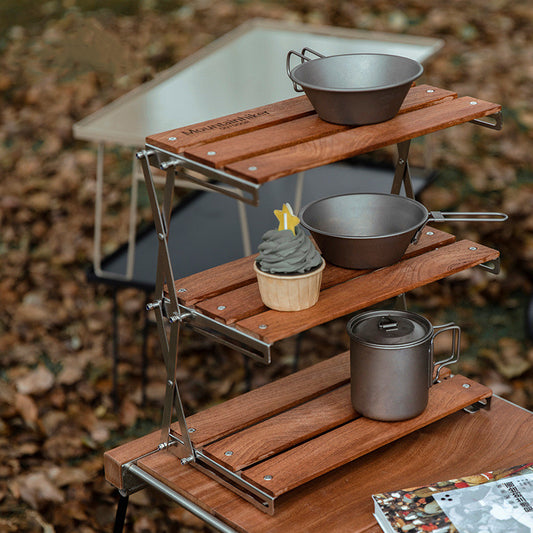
[[229, 293], [282, 435], [280, 139]]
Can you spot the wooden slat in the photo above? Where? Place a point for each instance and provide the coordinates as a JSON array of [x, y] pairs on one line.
[[370, 289], [299, 130], [243, 302], [284, 431], [359, 437], [216, 280], [361, 140], [176, 140], [221, 153], [268, 400]]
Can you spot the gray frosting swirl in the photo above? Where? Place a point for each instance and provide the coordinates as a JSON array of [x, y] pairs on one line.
[[282, 252]]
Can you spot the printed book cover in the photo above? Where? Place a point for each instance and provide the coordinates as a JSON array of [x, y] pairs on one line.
[[499, 501]]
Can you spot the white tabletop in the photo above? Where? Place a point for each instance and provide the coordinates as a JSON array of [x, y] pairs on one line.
[[242, 70]]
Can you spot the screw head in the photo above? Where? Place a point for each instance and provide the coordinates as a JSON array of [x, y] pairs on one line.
[[229, 453], [473, 102], [191, 430], [221, 307], [252, 168], [262, 326], [466, 385], [430, 90], [268, 477], [430, 233], [172, 138], [182, 290], [473, 248], [211, 152]]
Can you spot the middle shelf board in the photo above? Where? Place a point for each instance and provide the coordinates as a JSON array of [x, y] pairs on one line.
[[229, 293]]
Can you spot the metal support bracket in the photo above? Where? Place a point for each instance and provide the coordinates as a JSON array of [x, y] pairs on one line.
[[206, 177], [495, 121], [481, 404], [492, 266], [402, 174], [227, 335], [228, 478]]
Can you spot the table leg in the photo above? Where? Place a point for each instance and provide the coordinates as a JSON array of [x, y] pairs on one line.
[[122, 507]]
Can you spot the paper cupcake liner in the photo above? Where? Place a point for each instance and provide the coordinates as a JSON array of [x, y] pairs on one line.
[[290, 292]]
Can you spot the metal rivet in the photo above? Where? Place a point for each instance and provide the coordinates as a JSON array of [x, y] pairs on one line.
[[211, 153], [228, 453], [161, 236], [172, 138], [473, 248], [170, 383], [430, 90], [268, 477], [401, 161], [221, 307], [191, 430], [430, 233], [473, 102], [262, 326], [182, 290], [252, 168], [466, 386]]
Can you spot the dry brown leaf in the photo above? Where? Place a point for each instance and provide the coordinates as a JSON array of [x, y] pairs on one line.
[[36, 489], [36, 381], [27, 408]]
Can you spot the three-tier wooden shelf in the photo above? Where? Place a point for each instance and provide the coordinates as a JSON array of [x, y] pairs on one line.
[[272, 440]]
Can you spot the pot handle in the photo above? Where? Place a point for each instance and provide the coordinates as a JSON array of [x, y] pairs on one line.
[[438, 216], [456, 347], [304, 58]]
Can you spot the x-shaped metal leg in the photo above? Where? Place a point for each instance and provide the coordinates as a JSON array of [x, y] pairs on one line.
[[402, 174]]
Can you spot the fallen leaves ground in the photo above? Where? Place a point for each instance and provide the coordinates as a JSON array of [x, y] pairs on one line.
[[56, 406]]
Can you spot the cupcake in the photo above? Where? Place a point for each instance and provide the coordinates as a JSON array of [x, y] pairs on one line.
[[289, 267]]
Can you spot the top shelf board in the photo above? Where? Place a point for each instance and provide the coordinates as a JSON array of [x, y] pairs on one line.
[[276, 140]]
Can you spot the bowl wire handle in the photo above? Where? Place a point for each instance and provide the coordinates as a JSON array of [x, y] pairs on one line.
[[303, 58]]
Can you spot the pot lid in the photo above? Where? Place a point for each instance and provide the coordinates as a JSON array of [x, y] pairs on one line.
[[391, 328]]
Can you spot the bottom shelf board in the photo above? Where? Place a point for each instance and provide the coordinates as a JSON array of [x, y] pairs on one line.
[[315, 433]]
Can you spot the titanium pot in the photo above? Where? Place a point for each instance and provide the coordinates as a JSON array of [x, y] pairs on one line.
[[372, 230], [354, 89], [392, 362]]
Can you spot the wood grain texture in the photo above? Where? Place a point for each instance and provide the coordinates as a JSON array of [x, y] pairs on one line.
[[115, 458], [341, 501], [363, 139], [458, 445], [359, 437], [284, 430], [370, 289], [233, 305], [215, 280], [176, 140], [268, 400], [220, 153]]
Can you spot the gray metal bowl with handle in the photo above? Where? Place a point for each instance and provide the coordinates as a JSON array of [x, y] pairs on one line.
[[372, 230], [354, 89]]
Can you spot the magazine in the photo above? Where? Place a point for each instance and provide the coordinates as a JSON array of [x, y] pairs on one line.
[[499, 501]]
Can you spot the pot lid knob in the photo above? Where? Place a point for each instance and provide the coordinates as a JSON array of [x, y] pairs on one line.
[[396, 328]]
